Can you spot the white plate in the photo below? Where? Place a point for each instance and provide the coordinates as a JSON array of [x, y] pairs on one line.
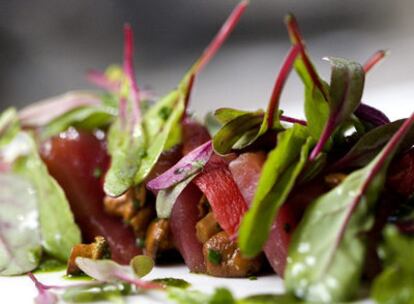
[[395, 101]]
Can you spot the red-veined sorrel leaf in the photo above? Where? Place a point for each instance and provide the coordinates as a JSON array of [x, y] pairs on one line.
[[331, 233]]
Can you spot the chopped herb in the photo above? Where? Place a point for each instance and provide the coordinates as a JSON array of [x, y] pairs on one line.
[[252, 278], [136, 203], [97, 172], [140, 242], [214, 257]]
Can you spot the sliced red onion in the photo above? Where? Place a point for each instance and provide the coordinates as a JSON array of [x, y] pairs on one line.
[[190, 164]]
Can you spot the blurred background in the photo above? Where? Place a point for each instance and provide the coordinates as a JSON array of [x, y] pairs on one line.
[[46, 46]]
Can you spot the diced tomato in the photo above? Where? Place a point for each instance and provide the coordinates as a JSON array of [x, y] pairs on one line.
[[76, 159], [225, 199]]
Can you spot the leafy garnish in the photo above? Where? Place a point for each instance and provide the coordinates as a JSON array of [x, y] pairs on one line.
[[396, 282], [371, 115], [59, 233], [190, 164], [58, 229], [110, 272], [9, 126], [126, 141], [279, 173], [20, 242], [345, 91], [167, 197], [370, 144], [331, 232], [131, 161]]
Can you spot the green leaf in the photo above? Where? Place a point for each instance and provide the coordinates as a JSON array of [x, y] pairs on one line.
[[58, 229], [345, 92], [167, 197], [396, 283], [141, 265], [127, 148], [331, 233], [9, 125], [279, 173], [225, 115], [394, 286], [20, 245], [316, 111], [229, 135], [85, 117], [159, 132], [212, 124], [371, 143]]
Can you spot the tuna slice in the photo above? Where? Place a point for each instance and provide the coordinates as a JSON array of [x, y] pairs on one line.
[[246, 172], [185, 213], [287, 219], [76, 159], [194, 135], [184, 217]]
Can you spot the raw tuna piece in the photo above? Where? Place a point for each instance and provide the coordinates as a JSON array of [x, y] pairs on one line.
[[245, 170], [184, 217], [401, 174], [166, 160], [289, 216], [194, 134], [76, 159]]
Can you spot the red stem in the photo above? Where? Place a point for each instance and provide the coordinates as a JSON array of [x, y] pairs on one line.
[[129, 70], [376, 58], [296, 37], [188, 96], [280, 83], [215, 45], [222, 35], [293, 120]]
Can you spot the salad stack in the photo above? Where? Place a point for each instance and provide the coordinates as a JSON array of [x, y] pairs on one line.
[[99, 179]]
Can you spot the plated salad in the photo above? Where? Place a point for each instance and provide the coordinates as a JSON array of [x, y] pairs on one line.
[[111, 182]]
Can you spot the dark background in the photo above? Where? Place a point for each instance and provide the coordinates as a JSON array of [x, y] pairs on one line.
[[46, 46]]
